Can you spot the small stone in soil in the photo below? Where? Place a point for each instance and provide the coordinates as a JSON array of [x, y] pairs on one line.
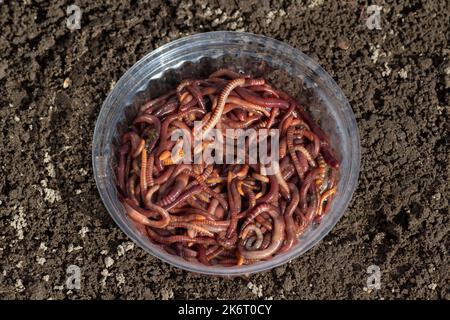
[[342, 43]]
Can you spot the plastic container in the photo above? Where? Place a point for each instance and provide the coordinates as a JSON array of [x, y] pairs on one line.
[[193, 56]]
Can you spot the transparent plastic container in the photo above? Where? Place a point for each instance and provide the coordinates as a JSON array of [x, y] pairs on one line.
[[196, 56]]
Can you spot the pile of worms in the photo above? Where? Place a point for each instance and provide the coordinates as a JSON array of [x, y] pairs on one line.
[[225, 214]]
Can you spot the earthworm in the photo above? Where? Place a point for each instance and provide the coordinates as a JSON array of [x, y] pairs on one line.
[[214, 226], [178, 238], [306, 154], [197, 94], [185, 195], [260, 177], [131, 188], [141, 215], [201, 181], [155, 125], [192, 88], [331, 185], [137, 143], [235, 207], [283, 148], [273, 113], [312, 209], [143, 177], [227, 242], [164, 176], [250, 196], [240, 103], [272, 193], [289, 220], [266, 102], [323, 198], [264, 88], [240, 125], [187, 252], [167, 121], [258, 240], [191, 226], [217, 251], [183, 84], [153, 102], [324, 140], [201, 253], [311, 177], [213, 206], [149, 172], [277, 234], [180, 183], [166, 109], [224, 214], [293, 154], [312, 137], [266, 241], [217, 112], [121, 169], [225, 73], [284, 190]]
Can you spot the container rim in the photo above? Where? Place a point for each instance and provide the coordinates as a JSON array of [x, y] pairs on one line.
[[348, 119]]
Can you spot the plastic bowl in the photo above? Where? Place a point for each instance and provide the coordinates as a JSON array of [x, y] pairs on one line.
[[197, 55]]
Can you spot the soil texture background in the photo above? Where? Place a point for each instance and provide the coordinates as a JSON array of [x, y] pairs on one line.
[[53, 82]]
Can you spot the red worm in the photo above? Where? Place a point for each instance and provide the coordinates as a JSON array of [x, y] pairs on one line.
[[180, 184], [235, 206], [264, 88], [149, 173], [149, 105], [141, 216], [293, 154], [277, 234], [272, 194], [197, 94], [164, 176], [266, 102], [311, 177], [227, 242], [238, 102], [183, 197], [217, 112], [137, 143], [178, 238], [217, 251], [169, 107], [226, 73], [190, 226], [121, 169], [256, 244], [155, 126], [324, 140], [143, 177], [291, 230]]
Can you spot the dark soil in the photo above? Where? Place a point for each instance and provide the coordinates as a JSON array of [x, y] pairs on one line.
[[51, 216]]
